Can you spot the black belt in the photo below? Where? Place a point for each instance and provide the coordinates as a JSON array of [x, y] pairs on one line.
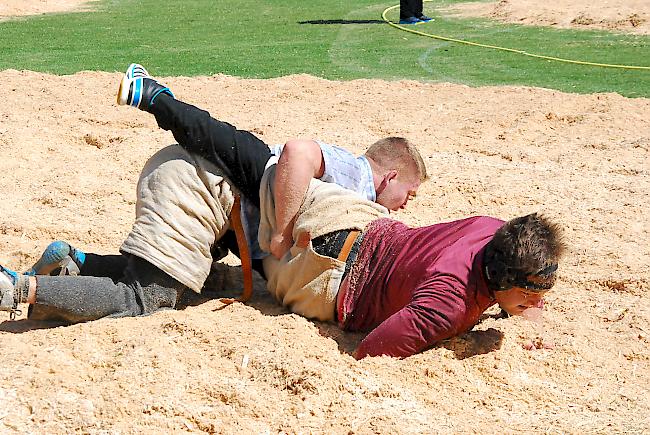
[[330, 245]]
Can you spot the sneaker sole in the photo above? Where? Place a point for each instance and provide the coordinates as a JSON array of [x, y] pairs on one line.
[[123, 91], [133, 72], [52, 258]]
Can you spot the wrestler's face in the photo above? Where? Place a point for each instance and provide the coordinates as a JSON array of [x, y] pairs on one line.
[[396, 194], [515, 300]]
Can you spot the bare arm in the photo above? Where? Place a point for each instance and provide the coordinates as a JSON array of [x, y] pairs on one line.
[[300, 161]]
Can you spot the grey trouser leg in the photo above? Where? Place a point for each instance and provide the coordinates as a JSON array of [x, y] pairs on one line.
[[143, 290]]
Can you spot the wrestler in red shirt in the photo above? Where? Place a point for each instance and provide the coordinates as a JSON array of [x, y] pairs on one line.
[[413, 287]]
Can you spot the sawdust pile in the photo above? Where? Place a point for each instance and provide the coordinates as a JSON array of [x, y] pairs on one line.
[[70, 161], [21, 8], [629, 16]]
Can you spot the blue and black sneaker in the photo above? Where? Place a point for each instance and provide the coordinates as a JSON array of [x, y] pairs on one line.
[[59, 258], [425, 19], [410, 20], [13, 288], [138, 89]]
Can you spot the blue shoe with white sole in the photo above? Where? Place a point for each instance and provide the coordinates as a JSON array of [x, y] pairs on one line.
[[138, 89], [59, 258]]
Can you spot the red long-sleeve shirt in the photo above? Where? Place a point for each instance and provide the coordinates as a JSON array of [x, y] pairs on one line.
[[412, 287]]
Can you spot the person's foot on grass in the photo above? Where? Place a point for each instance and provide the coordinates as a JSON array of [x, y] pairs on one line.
[[424, 18], [410, 20], [59, 258], [138, 89]]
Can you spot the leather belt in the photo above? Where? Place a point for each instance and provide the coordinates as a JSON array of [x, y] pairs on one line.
[[342, 245], [244, 254], [347, 246]]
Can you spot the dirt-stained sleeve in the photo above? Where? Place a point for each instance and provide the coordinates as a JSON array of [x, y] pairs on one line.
[[433, 314]]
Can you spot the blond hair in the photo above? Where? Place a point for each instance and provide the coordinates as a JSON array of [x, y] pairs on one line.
[[397, 153]]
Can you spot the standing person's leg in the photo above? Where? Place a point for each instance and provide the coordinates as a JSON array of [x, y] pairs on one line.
[[408, 9], [419, 13], [418, 8]]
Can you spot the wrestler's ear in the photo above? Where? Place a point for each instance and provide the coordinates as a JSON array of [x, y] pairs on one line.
[[391, 174], [386, 179]]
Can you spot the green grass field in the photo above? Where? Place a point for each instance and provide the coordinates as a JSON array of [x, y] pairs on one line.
[[334, 39]]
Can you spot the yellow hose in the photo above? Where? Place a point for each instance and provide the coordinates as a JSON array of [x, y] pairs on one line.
[[510, 50]]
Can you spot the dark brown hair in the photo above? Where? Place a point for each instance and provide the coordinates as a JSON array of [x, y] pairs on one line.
[[524, 252]]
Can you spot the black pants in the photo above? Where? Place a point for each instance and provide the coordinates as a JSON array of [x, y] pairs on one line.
[[107, 266], [141, 289], [240, 154], [410, 8]]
